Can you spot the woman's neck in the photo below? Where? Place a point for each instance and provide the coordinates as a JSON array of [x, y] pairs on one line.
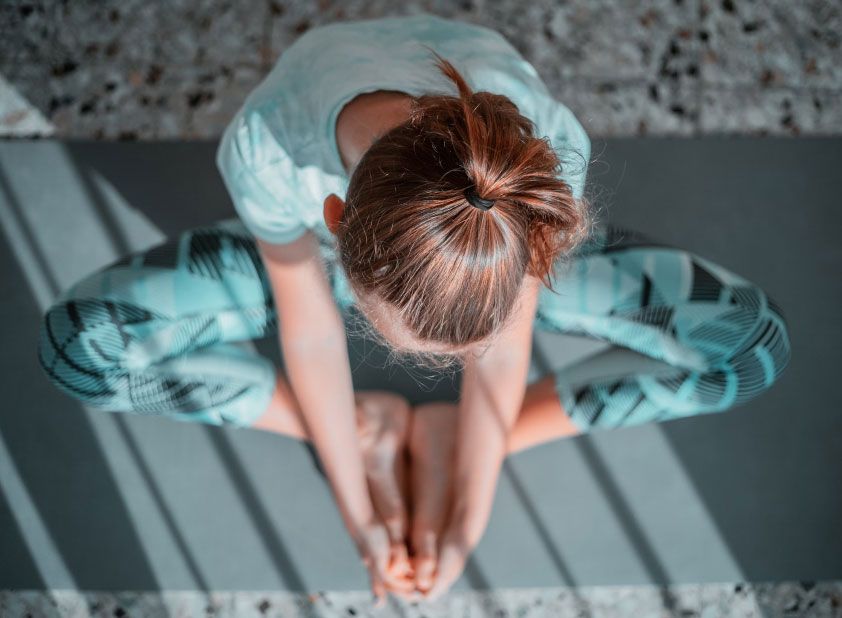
[[365, 118]]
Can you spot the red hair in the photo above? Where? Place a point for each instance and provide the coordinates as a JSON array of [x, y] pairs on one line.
[[409, 236]]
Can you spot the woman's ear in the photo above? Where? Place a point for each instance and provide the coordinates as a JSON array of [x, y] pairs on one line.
[[333, 211]]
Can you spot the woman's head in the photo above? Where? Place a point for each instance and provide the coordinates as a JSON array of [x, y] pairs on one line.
[[434, 274]]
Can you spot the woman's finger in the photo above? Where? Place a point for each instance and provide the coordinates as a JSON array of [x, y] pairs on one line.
[[392, 581], [398, 584], [424, 542], [441, 585], [399, 563], [450, 565], [402, 580], [378, 589]]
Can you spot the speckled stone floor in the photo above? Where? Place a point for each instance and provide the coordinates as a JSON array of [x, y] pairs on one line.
[[823, 600], [177, 70]]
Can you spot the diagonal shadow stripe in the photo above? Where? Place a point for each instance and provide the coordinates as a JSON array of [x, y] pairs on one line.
[[18, 569], [244, 486], [56, 491], [16, 212], [161, 503], [656, 571]]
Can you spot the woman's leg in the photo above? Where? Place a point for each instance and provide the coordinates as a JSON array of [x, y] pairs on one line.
[[541, 418], [282, 415], [160, 332], [721, 340]]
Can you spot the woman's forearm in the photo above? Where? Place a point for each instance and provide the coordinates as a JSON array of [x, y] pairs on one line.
[[480, 454], [320, 376], [490, 400]]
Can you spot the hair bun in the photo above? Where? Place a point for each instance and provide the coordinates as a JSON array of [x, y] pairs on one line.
[[475, 200]]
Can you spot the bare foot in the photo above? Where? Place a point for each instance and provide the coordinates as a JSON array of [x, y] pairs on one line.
[[432, 446], [383, 422]]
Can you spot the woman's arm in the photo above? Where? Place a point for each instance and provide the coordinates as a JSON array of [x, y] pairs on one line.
[[318, 370], [312, 340], [493, 387], [314, 347], [491, 397]]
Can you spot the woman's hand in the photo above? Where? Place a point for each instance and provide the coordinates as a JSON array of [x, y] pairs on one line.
[[375, 548], [453, 552]]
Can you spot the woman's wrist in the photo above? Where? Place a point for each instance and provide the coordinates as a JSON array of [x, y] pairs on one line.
[[349, 487], [361, 518], [356, 509], [464, 530], [469, 518], [474, 492]]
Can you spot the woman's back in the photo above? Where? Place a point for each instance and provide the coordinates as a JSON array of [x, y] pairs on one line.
[[279, 156]]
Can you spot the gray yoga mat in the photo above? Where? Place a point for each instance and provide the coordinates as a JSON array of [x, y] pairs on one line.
[[113, 501]]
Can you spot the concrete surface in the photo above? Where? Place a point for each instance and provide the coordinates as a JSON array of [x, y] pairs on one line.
[[133, 69]]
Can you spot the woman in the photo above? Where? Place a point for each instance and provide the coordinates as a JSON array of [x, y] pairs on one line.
[[463, 225]]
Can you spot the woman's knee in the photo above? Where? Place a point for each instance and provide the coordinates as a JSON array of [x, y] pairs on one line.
[[747, 346], [764, 353], [79, 345]]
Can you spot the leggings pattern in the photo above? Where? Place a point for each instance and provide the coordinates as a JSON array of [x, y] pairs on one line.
[[725, 337], [160, 332]]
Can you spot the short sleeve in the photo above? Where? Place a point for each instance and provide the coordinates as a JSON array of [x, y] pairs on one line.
[[261, 179], [571, 143]]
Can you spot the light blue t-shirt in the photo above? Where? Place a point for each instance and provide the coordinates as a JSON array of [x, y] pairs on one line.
[[279, 157]]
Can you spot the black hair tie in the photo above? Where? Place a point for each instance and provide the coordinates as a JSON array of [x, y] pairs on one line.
[[476, 201]]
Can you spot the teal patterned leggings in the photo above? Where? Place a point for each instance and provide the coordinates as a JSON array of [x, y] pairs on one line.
[[160, 332]]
